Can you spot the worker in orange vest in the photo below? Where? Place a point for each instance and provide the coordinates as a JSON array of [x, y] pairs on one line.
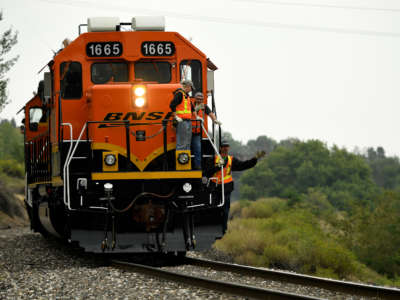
[[200, 111], [229, 164], [181, 107]]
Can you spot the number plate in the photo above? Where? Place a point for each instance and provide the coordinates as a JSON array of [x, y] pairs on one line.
[[104, 49], [158, 48]]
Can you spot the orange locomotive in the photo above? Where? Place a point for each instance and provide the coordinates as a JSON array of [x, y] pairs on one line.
[[101, 164]]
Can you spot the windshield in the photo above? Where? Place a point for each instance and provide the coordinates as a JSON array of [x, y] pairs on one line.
[[153, 71], [105, 72]]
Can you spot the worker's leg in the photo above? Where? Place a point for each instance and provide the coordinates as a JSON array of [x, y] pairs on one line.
[[196, 150], [183, 135], [227, 206]]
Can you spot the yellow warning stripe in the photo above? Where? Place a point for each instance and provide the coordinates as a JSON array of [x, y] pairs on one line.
[[146, 175]]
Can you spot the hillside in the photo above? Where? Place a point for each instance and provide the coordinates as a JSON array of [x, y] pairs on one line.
[[12, 210]]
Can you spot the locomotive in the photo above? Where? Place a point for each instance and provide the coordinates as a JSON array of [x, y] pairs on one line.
[[102, 170]]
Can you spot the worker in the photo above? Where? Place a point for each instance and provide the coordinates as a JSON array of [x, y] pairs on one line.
[[181, 107], [200, 109], [229, 164]]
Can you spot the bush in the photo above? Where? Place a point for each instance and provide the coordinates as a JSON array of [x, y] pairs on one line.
[[269, 234], [236, 208], [263, 208], [12, 168], [244, 235]]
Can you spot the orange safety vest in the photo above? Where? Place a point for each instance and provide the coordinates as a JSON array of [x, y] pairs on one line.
[[184, 109], [196, 125], [227, 171]]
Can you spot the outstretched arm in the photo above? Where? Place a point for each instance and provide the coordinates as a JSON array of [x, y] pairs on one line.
[[239, 165]]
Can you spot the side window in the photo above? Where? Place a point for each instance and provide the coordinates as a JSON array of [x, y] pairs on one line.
[[153, 71], [104, 72], [71, 80], [191, 70], [36, 116]]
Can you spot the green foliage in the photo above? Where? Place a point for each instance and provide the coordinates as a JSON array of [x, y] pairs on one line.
[[317, 202], [263, 208], [385, 170], [375, 235], [338, 218], [270, 233], [11, 150], [289, 172], [11, 142], [12, 168], [247, 151], [7, 40]]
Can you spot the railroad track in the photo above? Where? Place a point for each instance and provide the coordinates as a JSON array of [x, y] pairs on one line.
[[217, 285], [352, 289]]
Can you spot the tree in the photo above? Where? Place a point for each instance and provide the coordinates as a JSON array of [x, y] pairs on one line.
[[385, 170], [7, 40], [289, 172], [374, 235]]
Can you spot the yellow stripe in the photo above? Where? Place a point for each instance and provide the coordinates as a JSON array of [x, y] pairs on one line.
[[57, 181], [141, 164], [54, 148], [146, 175]]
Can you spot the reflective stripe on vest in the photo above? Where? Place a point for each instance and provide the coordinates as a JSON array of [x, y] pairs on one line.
[[183, 110], [196, 125], [227, 171]]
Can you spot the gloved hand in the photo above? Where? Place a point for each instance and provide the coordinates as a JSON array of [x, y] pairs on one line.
[[218, 122], [221, 162], [199, 107], [179, 119], [260, 154], [199, 118]]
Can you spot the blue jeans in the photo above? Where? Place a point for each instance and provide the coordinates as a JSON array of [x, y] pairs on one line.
[[183, 135], [196, 149], [226, 208]]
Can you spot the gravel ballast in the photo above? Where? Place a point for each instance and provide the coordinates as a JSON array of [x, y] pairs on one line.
[[32, 267]]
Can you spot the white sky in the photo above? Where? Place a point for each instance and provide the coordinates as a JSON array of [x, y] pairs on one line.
[[311, 69]]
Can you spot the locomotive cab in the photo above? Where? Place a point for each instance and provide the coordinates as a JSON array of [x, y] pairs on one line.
[[102, 169]]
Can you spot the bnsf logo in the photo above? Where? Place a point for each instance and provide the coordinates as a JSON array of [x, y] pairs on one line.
[[137, 116]]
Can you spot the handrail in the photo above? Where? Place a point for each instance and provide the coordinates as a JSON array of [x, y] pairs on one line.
[[222, 167], [65, 178], [68, 162]]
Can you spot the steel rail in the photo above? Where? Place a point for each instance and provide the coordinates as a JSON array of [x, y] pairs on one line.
[[221, 286], [324, 283]]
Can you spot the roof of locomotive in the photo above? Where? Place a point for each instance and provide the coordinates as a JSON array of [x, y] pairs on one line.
[[103, 30]]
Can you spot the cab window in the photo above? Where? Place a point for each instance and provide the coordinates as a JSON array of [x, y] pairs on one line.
[[105, 72], [191, 70], [71, 80], [153, 71]]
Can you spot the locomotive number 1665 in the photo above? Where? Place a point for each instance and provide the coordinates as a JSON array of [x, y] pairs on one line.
[[104, 49]]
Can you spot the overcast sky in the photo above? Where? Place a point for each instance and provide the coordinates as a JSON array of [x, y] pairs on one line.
[[310, 69]]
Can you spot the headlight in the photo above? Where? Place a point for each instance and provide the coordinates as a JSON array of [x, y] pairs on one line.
[[183, 158], [187, 187], [139, 102], [139, 91], [110, 159], [108, 187]]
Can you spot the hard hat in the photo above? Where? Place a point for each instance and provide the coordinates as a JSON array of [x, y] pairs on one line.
[[187, 82], [199, 95], [224, 144]]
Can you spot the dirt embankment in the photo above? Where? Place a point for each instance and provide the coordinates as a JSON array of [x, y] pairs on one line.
[[12, 208]]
